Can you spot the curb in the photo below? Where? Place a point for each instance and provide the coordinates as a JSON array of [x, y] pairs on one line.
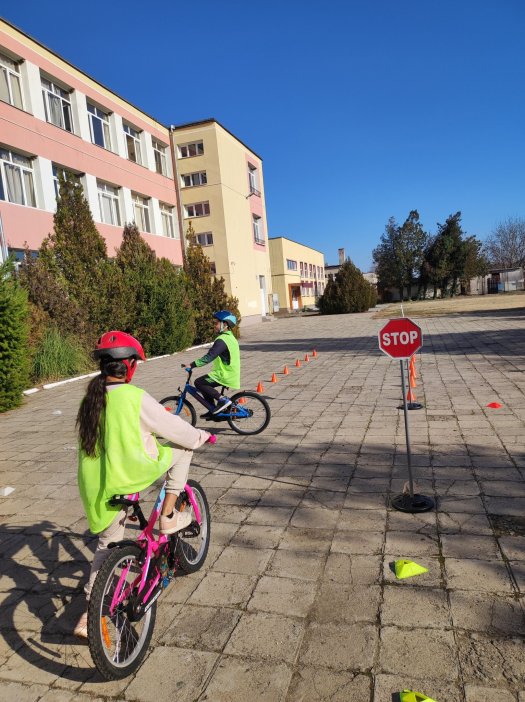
[[49, 386]]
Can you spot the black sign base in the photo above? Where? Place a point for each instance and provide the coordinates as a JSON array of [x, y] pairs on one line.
[[418, 503], [412, 406]]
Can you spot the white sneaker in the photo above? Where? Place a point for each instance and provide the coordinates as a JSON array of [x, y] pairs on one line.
[[180, 520], [222, 404]]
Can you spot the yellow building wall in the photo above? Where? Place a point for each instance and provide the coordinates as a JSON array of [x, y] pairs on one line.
[[282, 250], [226, 164]]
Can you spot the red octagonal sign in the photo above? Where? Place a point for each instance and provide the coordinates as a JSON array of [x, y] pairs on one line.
[[400, 338]]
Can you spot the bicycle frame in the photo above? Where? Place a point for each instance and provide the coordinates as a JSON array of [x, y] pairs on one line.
[[190, 389], [152, 548]]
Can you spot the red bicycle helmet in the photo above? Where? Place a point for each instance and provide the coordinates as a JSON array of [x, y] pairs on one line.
[[120, 346]]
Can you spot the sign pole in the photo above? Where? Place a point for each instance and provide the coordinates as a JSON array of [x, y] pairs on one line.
[[407, 433], [401, 338]]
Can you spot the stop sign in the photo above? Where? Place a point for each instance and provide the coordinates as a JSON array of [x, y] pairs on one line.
[[400, 338]]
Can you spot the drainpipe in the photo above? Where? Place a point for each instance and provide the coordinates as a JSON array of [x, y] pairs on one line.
[[177, 194]]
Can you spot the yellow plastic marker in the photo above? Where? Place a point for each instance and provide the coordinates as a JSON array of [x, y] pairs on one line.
[[406, 569], [410, 696]]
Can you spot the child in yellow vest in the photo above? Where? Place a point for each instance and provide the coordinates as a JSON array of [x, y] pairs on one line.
[[118, 451]]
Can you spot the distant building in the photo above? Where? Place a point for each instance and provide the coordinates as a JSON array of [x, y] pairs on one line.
[[222, 195], [298, 276]]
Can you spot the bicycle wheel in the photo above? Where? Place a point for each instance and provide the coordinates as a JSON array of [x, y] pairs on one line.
[[249, 413], [117, 644], [187, 411], [192, 547]]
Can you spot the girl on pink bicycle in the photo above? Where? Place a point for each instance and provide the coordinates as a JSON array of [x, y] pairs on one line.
[[118, 450]]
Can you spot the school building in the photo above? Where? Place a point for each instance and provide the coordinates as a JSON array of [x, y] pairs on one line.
[[298, 276], [55, 119], [222, 195]]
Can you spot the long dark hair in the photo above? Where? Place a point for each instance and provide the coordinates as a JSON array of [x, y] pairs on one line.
[[89, 424]]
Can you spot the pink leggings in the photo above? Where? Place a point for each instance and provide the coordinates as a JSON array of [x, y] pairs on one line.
[[176, 478]]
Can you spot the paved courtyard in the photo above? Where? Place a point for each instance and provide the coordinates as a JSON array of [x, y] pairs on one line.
[[297, 601]]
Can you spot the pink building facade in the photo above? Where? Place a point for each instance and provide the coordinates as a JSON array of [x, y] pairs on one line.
[[53, 119]]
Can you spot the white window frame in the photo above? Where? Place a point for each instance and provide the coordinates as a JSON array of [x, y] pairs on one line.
[[253, 176], [205, 239], [109, 193], [191, 180], [168, 222], [52, 92], [213, 268], [141, 211], [197, 209], [291, 265], [20, 167], [95, 113], [67, 174], [11, 70], [159, 152], [130, 133], [185, 150], [258, 236]]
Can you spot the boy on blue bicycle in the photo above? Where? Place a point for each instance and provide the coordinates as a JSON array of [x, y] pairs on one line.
[[226, 369]]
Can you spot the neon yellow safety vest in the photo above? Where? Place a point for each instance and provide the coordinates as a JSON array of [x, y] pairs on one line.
[[122, 465], [228, 374]]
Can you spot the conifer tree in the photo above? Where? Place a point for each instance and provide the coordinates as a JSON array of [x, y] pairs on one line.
[[14, 332], [207, 293], [348, 292]]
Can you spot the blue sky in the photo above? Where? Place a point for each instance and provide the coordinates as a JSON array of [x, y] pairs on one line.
[[360, 110]]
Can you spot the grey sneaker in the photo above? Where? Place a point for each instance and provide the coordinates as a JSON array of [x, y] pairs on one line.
[[180, 520], [221, 405]]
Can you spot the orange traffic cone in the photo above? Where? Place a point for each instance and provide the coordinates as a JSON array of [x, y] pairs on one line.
[[413, 366], [306, 359], [298, 363], [260, 387], [314, 354], [411, 395], [241, 401], [274, 378], [286, 371]]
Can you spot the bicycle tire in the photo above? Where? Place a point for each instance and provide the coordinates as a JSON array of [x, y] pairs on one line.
[[191, 555], [127, 655], [187, 413], [240, 424]]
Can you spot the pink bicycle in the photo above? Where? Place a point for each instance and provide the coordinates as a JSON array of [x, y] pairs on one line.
[[123, 604]]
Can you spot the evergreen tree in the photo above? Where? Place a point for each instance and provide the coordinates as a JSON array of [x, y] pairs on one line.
[[207, 292], [14, 332], [75, 255], [348, 292], [400, 254]]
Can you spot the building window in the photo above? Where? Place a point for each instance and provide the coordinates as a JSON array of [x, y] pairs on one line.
[[196, 148], [66, 175], [310, 271], [57, 104], [291, 265], [257, 229], [302, 269], [205, 239], [108, 200], [133, 144], [191, 179], [213, 268], [10, 90], [159, 151], [16, 179], [141, 208], [253, 176], [199, 209], [99, 126], [166, 214]]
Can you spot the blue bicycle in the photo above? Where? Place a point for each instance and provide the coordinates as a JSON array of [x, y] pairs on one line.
[[249, 413]]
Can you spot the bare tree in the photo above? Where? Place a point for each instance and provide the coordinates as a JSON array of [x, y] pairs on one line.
[[505, 246]]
